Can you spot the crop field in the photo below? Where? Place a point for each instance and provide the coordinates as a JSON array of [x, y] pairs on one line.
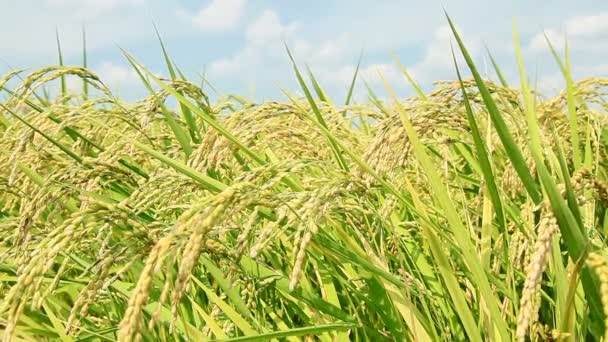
[[476, 211]]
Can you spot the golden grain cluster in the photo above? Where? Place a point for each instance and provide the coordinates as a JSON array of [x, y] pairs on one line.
[[111, 229]]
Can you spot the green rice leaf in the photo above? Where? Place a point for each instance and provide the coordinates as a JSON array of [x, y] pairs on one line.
[[511, 148]]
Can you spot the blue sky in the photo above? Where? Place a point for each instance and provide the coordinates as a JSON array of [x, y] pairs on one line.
[[239, 43]]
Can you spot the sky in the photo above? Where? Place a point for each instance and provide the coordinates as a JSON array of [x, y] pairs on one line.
[[238, 45]]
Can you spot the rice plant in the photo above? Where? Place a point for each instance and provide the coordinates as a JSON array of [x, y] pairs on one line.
[[474, 212]]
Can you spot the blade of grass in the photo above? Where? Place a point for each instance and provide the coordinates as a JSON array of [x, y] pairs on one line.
[[499, 73], [561, 65], [231, 292], [563, 165], [460, 232], [72, 132], [330, 294], [392, 286], [574, 238], [185, 110], [355, 158], [560, 279], [4, 121], [320, 92], [304, 331], [209, 183], [409, 78], [505, 136], [375, 99], [496, 204], [569, 313], [64, 89], [482, 154], [572, 116], [85, 84], [351, 88], [179, 133], [315, 109], [232, 314], [564, 67], [288, 180], [168, 62], [532, 121], [446, 271], [209, 321], [57, 324], [62, 147], [198, 111]]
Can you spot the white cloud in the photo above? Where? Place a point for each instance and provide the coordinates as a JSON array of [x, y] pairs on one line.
[[539, 41], [109, 22], [329, 41], [330, 44], [329, 58], [267, 28], [218, 15], [437, 61], [264, 49], [341, 74], [372, 72], [584, 31], [588, 25], [551, 84], [115, 74], [329, 50], [264, 41], [225, 66], [74, 84], [438, 52], [120, 78]]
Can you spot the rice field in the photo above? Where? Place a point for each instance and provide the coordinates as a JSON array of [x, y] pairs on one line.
[[474, 212]]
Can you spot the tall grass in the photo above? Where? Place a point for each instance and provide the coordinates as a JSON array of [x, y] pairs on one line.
[[474, 212]]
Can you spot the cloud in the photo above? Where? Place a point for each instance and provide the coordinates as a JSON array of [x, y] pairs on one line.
[[587, 37], [263, 57], [438, 52], [437, 62], [539, 41], [225, 66], [584, 31], [107, 22], [426, 55], [264, 49], [371, 74], [218, 15], [267, 28], [263, 40], [115, 74], [589, 25], [74, 84], [551, 84]]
